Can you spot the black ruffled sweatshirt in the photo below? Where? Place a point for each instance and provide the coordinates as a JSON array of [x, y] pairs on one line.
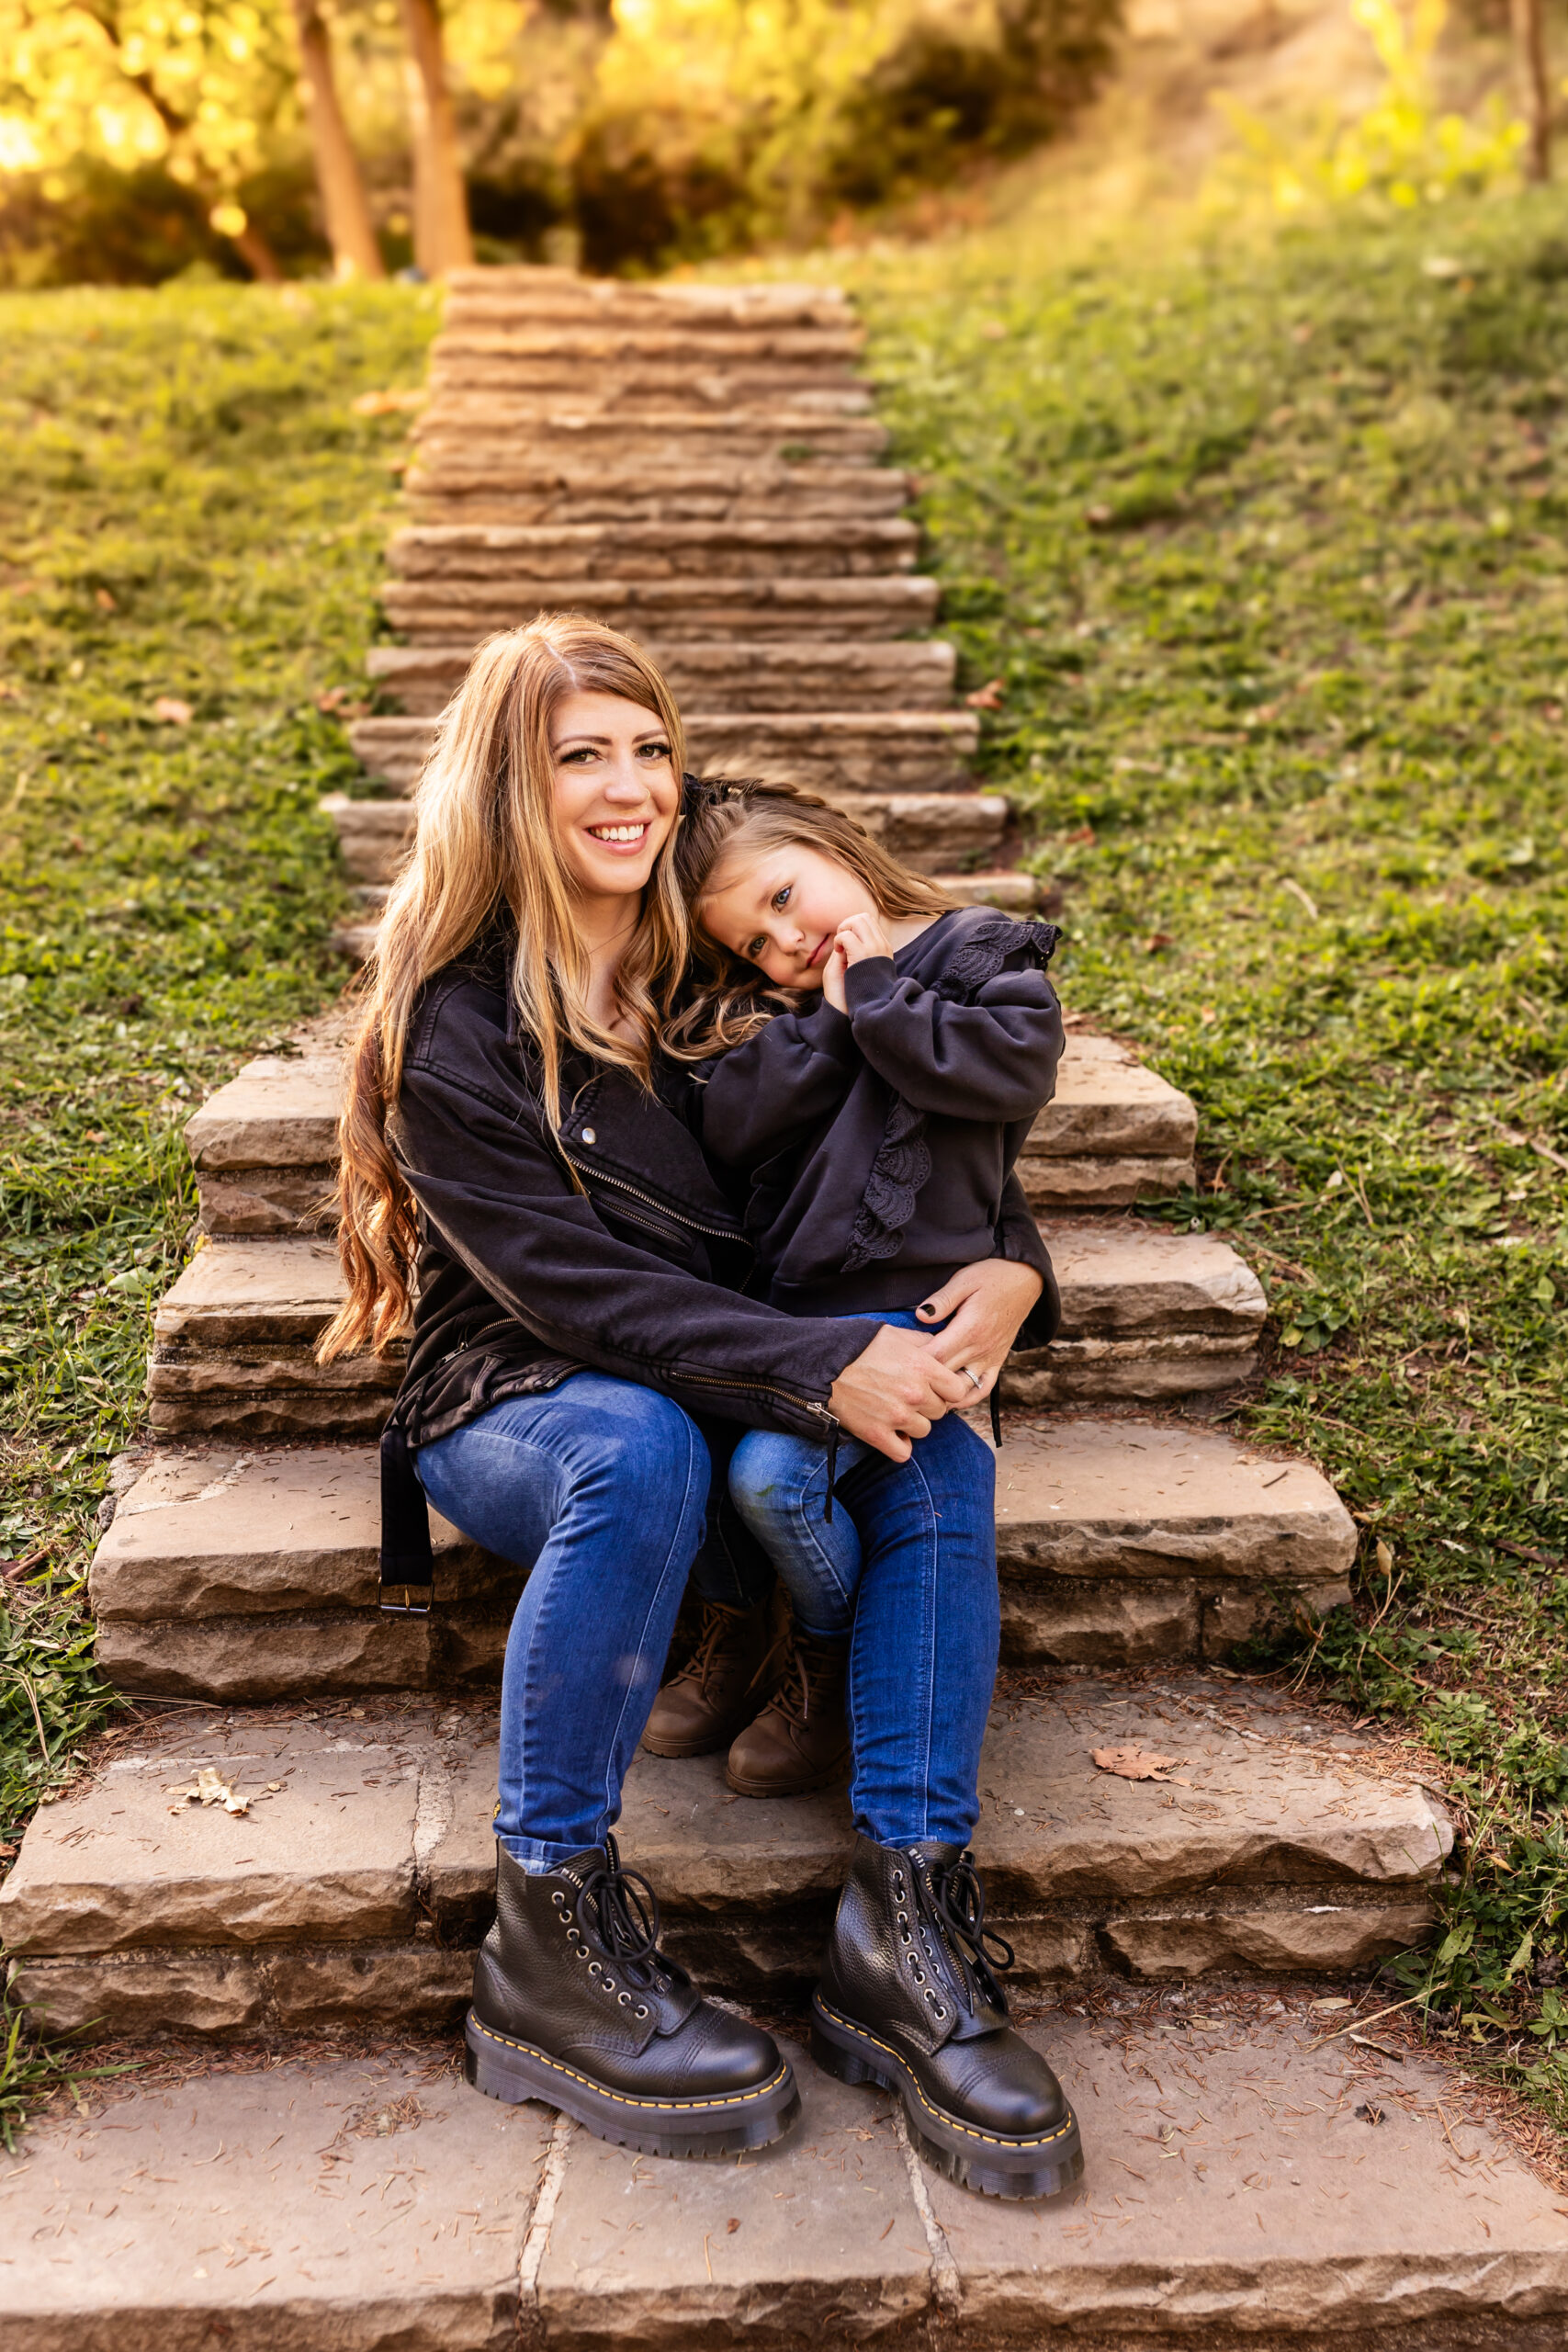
[[875, 1146]]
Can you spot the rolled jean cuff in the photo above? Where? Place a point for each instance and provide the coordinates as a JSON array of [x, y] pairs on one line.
[[537, 1855]]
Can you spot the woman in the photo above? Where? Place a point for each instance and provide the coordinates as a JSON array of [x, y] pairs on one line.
[[581, 1357]]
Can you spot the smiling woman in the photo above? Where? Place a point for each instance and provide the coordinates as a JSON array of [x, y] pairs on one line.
[[521, 1170]]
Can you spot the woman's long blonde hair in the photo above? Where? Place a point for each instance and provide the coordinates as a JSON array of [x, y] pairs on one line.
[[486, 851], [727, 999]]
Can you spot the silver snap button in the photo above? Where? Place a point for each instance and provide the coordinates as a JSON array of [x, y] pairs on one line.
[[588, 1136]]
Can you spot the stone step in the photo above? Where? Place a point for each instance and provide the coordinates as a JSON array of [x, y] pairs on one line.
[[478, 435], [792, 608], [265, 1145], [504, 559], [573, 345], [521, 486], [354, 1889], [874, 752], [533, 296], [252, 1576], [898, 674], [396, 2207], [1145, 1312], [812, 404], [574, 378]]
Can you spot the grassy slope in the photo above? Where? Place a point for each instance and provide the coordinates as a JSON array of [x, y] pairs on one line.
[[189, 508], [1267, 550]]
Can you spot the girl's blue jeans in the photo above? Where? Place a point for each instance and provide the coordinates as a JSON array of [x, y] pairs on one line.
[[779, 1485], [599, 1490]]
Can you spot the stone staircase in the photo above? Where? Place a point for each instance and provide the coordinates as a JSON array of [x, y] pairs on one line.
[[698, 462], [699, 467]]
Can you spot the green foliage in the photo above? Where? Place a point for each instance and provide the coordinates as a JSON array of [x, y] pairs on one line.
[[190, 510], [1265, 548], [31, 2071], [1406, 149]]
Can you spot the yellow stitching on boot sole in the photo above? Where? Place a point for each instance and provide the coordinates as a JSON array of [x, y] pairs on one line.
[[991, 2139], [665, 2107]]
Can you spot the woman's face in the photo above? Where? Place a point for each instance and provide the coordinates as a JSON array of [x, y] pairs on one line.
[[618, 793]]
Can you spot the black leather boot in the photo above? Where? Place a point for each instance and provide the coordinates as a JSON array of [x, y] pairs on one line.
[[575, 2005], [910, 1999]]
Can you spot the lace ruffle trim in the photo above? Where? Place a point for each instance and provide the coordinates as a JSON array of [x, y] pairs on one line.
[[902, 1165], [988, 947]]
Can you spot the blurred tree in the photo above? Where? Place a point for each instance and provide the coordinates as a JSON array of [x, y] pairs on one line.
[[1529, 44], [132, 82], [441, 236], [356, 252]]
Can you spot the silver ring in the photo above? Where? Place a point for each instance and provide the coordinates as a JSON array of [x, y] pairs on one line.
[[970, 1376]]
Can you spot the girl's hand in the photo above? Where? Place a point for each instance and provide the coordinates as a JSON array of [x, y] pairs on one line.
[[987, 1302], [833, 972], [861, 937]]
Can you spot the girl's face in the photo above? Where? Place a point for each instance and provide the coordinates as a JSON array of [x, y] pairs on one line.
[[616, 792], [781, 910]]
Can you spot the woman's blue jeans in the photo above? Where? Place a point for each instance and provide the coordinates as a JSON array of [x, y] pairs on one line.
[[599, 1490]]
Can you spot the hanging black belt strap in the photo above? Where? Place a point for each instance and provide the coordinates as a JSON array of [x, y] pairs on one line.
[[408, 1564]]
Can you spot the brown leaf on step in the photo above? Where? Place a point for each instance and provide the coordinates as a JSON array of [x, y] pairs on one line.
[[9, 1853], [989, 696], [104, 601], [338, 703], [170, 711], [208, 1787], [387, 403], [731, 2226], [1138, 1764]]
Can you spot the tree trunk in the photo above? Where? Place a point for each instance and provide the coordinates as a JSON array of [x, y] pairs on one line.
[[355, 251], [1530, 47], [257, 255], [441, 239]]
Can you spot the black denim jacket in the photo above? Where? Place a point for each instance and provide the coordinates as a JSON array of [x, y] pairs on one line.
[[638, 1270]]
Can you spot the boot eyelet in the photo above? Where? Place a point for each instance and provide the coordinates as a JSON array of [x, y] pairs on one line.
[[557, 1898], [609, 1983], [939, 2010], [641, 2011], [582, 1952], [623, 2000]]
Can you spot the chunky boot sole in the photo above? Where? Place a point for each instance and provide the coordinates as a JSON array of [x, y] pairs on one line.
[[506, 2069], [985, 2162], [701, 1744]]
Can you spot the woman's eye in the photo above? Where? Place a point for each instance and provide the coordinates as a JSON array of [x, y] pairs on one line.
[[580, 757], [653, 751]]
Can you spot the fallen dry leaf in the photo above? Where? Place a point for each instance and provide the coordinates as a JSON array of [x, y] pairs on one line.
[[1138, 1764], [387, 403], [989, 696], [104, 601], [172, 712], [209, 1787]]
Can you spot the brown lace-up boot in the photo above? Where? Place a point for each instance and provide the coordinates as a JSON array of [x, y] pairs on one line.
[[800, 1741], [719, 1688]]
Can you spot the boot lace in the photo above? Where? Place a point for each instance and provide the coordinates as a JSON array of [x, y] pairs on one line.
[[960, 1905], [717, 1624], [620, 1910], [806, 1679]]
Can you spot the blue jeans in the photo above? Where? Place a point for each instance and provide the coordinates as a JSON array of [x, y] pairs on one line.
[[598, 1489], [779, 1485]]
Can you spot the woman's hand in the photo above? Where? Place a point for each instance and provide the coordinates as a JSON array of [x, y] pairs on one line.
[[855, 939], [895, 1390], [987, 1302]]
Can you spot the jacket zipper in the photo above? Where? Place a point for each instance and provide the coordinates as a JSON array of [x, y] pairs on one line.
[[600, 1176]]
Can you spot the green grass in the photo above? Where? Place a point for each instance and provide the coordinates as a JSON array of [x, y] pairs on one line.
[[1267, 548], [189, 508]]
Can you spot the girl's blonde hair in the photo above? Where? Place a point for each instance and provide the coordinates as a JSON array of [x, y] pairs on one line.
[[727, 1000], [487, 851]]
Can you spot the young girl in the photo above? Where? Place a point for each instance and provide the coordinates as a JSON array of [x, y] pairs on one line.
[[881, 1055]]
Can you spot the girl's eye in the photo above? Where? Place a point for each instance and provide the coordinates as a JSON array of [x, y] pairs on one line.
[[753, 949], [781, 897]]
